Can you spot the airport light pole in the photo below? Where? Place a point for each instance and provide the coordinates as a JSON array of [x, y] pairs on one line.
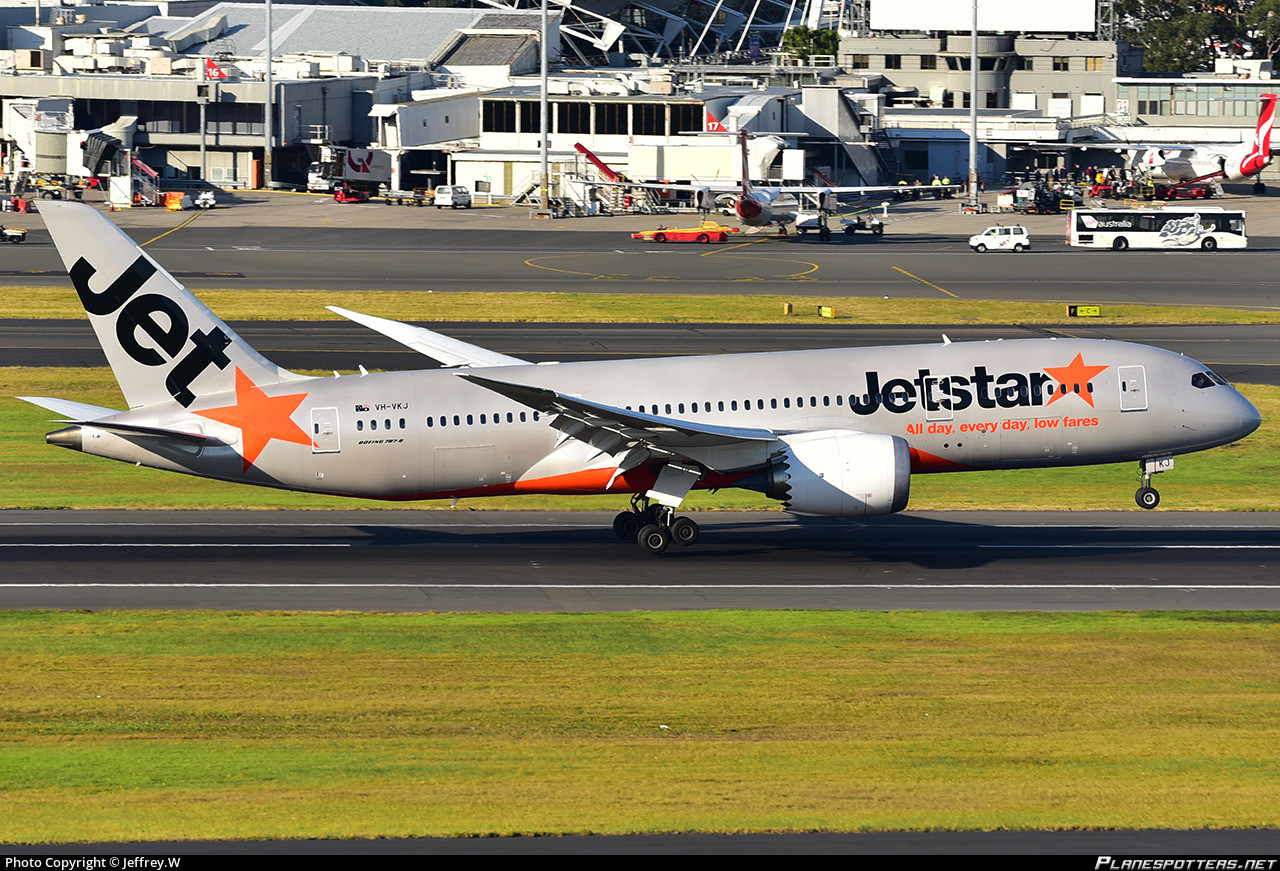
[[973, 109], [543, 113], [269, 111]]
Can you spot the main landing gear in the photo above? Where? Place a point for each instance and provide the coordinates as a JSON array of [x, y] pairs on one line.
[[1147, 496], [654, 526]]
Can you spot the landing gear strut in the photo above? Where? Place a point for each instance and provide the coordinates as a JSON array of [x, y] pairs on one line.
[[1147, 496], [654, 527]]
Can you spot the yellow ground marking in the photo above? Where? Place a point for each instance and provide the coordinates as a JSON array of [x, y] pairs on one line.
[[530, 262], [198, 213], [732, 247], [930, 283]]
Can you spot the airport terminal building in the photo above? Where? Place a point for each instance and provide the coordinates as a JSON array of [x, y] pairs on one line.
[[453, 95]]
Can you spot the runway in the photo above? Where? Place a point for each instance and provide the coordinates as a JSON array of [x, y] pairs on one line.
[[571, 561]]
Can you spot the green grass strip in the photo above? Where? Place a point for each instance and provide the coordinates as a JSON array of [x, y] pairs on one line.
[[124, 726], [53, 302], [1237, 477]]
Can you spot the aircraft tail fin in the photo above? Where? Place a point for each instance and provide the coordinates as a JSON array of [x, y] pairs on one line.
[[163, 344], [1260, 153]]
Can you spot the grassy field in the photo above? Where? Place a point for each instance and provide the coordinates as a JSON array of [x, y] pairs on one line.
[[52, 302], [1237, 477], [160, 725]]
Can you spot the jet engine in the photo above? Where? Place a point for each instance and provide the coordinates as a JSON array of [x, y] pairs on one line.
[[838, 473]]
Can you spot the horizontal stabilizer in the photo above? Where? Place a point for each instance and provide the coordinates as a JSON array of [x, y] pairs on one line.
[[447, 351], [76, 411]]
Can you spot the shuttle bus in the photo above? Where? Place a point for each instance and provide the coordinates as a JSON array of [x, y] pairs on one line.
[[1206, 228]]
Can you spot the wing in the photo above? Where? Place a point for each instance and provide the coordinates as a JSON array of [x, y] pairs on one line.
[[713, 187], [449, 352], [617, 430]]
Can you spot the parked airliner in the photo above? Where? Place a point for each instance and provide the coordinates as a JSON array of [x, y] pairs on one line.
[[833, 432], [802, 206], [1227, 161]]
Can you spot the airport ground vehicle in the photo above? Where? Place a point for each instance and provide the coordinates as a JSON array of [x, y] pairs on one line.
[[454, 196], [872, 225], [1182, 191], [415, 197], [836, 432], [709, 231], [1001, 238], [351, 194], [13, 235], [1206, 228], [340, 166], [206, 200]]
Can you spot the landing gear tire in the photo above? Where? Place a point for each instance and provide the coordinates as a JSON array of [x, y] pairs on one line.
[[684, 531], [627, 525], [653, 539], [1147, 497]]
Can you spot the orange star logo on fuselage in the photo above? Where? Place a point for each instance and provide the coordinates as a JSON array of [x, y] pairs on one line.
[[260, 418], [1074, 378]]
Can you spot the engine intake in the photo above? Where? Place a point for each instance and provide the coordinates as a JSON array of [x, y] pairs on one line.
[[839, 473]]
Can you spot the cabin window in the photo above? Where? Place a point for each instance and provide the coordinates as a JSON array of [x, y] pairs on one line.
[[359, 426], [373, 424]]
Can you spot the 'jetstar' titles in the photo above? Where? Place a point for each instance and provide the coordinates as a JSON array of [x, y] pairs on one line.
[[958, 392]]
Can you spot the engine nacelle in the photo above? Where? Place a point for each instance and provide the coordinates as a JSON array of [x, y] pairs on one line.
[[839, 473]]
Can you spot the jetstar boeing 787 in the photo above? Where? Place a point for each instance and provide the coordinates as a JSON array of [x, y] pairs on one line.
[[835, 432]]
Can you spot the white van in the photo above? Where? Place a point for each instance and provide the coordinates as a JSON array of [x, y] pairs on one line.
[[1001, 238], [453, 196]]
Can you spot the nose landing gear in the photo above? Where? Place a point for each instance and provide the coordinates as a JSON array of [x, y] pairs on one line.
[[1147, 496]]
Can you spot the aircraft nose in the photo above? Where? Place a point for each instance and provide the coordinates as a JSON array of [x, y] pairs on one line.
[[1250, 417]]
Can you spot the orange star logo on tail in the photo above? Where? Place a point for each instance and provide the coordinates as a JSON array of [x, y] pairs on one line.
[[1075, 376], [260, 418]]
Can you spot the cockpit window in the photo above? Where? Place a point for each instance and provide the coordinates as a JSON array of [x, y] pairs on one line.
[[1203, 380]]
